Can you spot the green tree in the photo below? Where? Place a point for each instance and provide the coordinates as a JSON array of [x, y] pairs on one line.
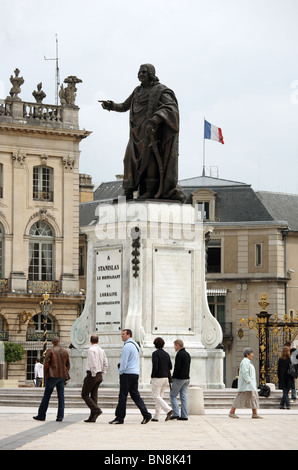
[[13, 352]]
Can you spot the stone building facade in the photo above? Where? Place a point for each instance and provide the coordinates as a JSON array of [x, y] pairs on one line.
[[252, 249], [39, 219]]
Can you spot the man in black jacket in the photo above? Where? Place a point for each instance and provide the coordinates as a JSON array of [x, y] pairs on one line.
[[180, 381]]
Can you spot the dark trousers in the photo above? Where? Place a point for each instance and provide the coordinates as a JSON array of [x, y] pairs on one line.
[[285, 398], [90, 389], [50, 384], [129, 384]]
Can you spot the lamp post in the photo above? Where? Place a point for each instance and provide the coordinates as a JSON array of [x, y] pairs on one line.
[[45, 307]]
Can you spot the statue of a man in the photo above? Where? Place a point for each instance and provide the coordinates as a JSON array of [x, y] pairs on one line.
[[151, 157]]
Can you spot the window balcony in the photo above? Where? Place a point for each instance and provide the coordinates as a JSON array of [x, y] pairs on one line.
[[40, 287], [43, 196]]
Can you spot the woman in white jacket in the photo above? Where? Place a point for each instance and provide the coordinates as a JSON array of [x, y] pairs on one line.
[[247, 396]]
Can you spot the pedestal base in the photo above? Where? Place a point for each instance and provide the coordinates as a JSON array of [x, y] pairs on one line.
[[146, 272]]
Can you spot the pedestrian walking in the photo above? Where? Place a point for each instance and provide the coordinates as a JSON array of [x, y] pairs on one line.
[[285, 381], [96, 366], [38, 373], [180, 381], [129, 370], [292, 351], [56, 372], [247, 396], [161, 367]]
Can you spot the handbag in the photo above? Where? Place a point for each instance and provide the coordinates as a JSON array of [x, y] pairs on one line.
[[264, 391], [292, 371]]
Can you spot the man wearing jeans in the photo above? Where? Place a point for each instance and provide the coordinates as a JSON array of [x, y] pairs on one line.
[[180, 381], [129, 370], [56, 372]]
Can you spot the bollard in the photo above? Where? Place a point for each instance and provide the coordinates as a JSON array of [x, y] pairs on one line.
[[195, 398]]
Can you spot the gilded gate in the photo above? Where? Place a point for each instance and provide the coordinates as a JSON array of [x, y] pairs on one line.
[[272, 332]]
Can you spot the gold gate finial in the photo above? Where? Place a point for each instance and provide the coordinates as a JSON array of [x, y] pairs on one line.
[[263, 303]]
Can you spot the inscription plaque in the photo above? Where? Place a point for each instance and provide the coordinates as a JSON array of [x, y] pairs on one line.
[[108, 289], [172, 292]]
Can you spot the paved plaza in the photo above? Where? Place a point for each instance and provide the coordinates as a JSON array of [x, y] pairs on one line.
[[278, 430]]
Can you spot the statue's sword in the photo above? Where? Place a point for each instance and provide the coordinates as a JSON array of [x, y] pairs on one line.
[[154, 146]]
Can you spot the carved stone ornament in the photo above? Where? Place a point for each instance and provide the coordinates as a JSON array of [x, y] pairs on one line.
[[68, 95], [18, 157], [39, 95], [68, 162], [44, 159], [16, 82]]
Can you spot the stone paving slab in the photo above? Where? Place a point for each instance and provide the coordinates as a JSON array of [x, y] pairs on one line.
[[278, 430]]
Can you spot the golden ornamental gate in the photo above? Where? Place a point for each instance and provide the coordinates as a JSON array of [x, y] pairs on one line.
[[272, 332]]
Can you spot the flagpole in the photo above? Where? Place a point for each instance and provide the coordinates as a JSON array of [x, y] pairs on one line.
[[204, 148]]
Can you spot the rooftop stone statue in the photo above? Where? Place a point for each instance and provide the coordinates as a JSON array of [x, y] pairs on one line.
[[39, 95], [16, 82], [68, 95]]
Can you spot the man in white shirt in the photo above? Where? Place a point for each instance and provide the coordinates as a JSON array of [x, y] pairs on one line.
[[38, 373], [96, 366]]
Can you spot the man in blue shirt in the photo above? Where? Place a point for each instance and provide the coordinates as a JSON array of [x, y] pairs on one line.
[[129, 370]]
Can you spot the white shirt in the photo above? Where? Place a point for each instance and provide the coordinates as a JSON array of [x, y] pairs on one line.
[[96, 360], [38, 370]]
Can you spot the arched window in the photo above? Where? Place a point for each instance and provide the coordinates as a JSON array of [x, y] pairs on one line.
[[39, 326], [41, 248], [42, 183], [33, 354]]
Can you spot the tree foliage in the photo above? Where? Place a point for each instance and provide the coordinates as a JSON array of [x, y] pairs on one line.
[[13, 352]]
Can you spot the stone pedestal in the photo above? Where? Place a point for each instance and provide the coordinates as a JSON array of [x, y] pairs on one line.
[[18, 282], [146, 272]]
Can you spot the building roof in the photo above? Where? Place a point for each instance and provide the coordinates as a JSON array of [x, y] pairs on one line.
[[235, 201], [281, 206], [209, 181], [88, 213], [108, 191]]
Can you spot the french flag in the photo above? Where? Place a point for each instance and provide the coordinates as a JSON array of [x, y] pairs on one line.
[[212, 132]]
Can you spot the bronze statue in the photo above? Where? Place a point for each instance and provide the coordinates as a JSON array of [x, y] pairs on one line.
[[151, 157]]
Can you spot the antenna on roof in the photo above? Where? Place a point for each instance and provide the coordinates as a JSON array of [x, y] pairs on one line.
[[57, 74]]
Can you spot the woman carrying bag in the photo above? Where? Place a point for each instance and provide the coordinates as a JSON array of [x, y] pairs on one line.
[[285, 380]]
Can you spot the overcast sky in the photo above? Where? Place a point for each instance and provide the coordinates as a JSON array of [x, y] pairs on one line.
[[233, 62]]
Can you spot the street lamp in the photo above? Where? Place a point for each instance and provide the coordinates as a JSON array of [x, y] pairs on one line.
[[45, 307]]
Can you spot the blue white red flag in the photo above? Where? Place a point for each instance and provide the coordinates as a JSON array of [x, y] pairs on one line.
[[212, 132]]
